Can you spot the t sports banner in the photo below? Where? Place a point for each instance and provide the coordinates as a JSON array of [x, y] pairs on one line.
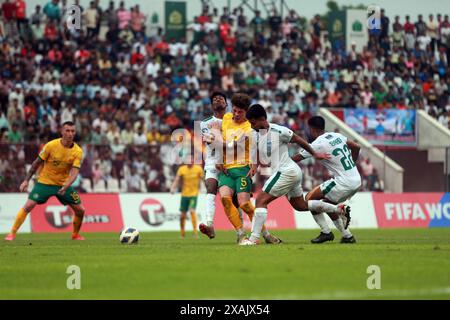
[[160, 212], [103, 214]]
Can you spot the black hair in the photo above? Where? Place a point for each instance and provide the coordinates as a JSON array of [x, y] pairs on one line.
[[68, 123], [256, 111], [317, 122], [217, 93]]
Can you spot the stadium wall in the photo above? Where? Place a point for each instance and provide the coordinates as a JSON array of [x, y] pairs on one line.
[[159, 212], [434, 137]]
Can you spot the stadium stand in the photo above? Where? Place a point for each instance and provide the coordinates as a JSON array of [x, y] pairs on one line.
[[128, 88]]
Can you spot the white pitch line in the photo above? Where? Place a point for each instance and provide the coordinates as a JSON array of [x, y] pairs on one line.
[[346, 295]]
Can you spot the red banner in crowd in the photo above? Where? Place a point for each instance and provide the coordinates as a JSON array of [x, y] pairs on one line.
[[103, 214]]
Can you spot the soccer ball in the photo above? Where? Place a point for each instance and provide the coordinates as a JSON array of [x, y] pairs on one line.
[[129, 236]]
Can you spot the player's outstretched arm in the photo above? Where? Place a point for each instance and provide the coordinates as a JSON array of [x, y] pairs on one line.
[[72, 177], [297, 157], [34, 168], [305, 145], [254, 163], [355, 148]]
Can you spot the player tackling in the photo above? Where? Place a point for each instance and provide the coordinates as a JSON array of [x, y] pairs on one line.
[[60, 160], [272, 144], [232, 171], [219, 108], [344, 185]]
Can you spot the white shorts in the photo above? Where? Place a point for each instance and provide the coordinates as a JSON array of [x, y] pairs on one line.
[[211, 173], [336, 192], [285, 183]]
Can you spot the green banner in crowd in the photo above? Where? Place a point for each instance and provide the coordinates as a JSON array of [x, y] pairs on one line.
[[175, 20], [336, 29]]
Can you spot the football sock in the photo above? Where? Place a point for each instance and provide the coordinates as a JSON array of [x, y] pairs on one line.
[[210, 209], [77, 221], [258, 222], [182, 223], [232, 213], [320, 206], [340, 226], [249, 209], [194, 221], [20, 218], [322, 222]]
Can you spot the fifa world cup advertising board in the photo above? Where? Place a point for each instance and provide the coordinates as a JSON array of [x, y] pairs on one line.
[[409, 210]]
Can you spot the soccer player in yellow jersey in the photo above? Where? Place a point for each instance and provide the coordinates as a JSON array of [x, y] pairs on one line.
[[191, 176], [237, 169], [60, 160]]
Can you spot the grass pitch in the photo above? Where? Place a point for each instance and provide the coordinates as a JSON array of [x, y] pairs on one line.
[[414, 263]]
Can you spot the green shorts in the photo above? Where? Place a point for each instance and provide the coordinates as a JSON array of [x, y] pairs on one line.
[[236, 179], [188, 203], [41, 192]]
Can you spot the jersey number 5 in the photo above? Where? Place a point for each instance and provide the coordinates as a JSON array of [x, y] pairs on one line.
[[346, 159]]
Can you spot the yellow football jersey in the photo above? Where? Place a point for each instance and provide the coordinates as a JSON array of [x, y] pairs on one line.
[[236, 155], [191, 180], [58, 161]]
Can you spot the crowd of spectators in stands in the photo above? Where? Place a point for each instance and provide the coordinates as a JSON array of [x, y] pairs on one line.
[[128, 87]]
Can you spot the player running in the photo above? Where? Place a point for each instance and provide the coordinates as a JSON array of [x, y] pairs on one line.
[[219, 107], [272, 142], [191, 175], [237, 170], [343, 186], [60, 160]]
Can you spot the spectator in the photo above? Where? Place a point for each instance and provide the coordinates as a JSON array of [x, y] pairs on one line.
[[123, 15], [15, 136], [133, 181], [9, 11], [275, 21], [432, 31], [139, 137], [137, 22], [52, 10], [368, 173], [91, 18]]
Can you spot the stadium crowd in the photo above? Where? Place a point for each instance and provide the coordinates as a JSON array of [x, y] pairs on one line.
[[128, 87]]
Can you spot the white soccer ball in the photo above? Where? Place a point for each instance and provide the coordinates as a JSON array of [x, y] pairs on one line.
[[129, 236]]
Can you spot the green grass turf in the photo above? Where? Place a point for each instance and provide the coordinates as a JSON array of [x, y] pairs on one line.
[[415, 264]]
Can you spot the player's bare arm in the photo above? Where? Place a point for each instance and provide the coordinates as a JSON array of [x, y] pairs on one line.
[[305, 145], [175, 184], [72, 177], [355, 148], [297, 157], [252, 171], [34, 168], [253, 157]]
